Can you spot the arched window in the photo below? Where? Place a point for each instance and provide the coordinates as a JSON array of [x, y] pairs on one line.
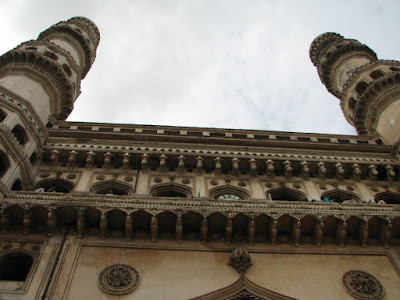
[[3, 115], [4, 163], [228, 196], [33, 158], [361, 87], [55, 185], [171, 190], [20, 134], [17, 186], [286, 194], [388, 197], [15, 266], [111, 187], [376, 74], [339, 196]]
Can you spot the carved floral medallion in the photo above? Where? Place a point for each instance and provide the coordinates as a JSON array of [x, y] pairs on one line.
[[118, 279], [362, 285]]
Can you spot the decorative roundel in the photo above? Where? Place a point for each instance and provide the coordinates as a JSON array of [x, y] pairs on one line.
[[362, 285], [118, 279], [228, 196]]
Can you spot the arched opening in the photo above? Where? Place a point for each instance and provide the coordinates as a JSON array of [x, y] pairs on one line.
[[141, 224], [17, 186], [67, 217], [307, 229], [3, 115], [339, 196], [20, 134], [92, 221], [361, 87], [57, 185], [262, 224], [239, 227], [191, 223], [171, 190], [110, 188], [330, 227], [15, 215], [4, 163], [116, 222], [33, 158], [352, 103], [285, 228], [353, 224], [216, 226], [15, 266], [374, 230], [286, 194], [228, 193], [376, 74], [388, 198], [166, 225], [39, 218]]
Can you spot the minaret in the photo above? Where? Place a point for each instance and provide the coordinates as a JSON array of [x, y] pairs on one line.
[[368, 88], [39, 83]]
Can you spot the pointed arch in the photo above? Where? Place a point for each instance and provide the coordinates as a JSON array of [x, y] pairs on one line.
[[15, 266], [242, 194], [388, 197], [113, 187], [340, 196], [286, 194], [171, 189], [58, 185], [243, 288]]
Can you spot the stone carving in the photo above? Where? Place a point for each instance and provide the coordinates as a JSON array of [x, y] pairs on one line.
[[240, 260], [362, 285], [118, 279]]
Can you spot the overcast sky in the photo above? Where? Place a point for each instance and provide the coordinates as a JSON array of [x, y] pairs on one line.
[[210, 63]]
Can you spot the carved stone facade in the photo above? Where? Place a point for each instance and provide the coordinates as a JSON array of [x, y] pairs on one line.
[[174, 202]]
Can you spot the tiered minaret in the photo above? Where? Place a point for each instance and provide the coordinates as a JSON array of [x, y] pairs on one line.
[[368, 88], [39, 83]]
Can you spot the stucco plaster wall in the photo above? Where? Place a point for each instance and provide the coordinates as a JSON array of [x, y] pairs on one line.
[[184, 274]]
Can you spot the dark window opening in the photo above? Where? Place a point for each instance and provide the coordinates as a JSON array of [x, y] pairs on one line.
[[33, 158], [20, 134], [352, 103], [17, 186], [67, 69], [376, 74], [3, 115], [15, 266], [170, 193], [4, 163], [395, 69], [361, 87], [51, 55]]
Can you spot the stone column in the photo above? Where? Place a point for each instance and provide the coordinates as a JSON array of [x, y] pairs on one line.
[[296, 233], [252, 231], [179, 230], [273, 231], [363, 233], [386, 234], [51, 222], [319, 233], [154, 228], [228, 231], [27, 218], [204, 230], [128, 227], [4, 220], [103, 225], [341, 233], [80, 223]]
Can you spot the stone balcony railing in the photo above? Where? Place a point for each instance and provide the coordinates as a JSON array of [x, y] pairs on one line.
[[249, 220]]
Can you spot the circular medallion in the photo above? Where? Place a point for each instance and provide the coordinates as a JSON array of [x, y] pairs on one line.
[[362, 285], [118, 279]]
